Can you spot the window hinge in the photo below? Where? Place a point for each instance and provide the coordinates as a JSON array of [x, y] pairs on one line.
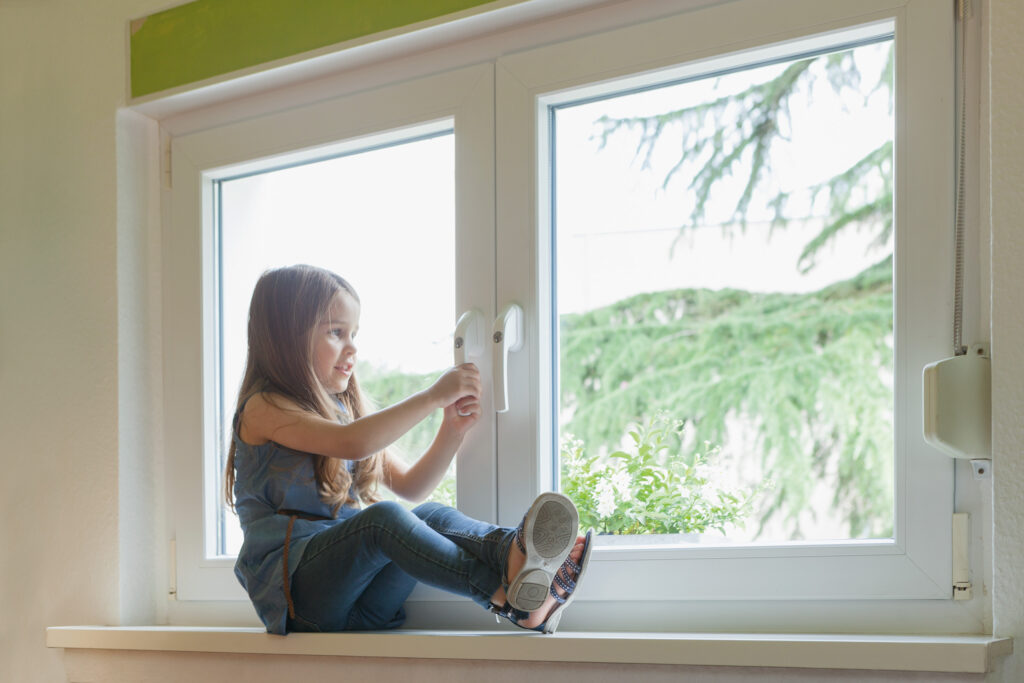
[[172, 573], [961, 556]]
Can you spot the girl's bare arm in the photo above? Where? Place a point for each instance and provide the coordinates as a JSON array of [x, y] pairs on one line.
[[276, 418], [417, 481]]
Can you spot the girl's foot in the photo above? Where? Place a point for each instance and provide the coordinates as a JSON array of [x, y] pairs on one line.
[[545, 537], [539, 616]]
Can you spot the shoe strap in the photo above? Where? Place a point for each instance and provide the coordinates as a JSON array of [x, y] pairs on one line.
[[564, 580], [507, 611], [519, 536], [522, 548]]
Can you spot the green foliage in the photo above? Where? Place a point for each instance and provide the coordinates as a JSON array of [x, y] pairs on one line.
[[809, 375], [650, 490], [734, 136], [805, 373], [848, 208]]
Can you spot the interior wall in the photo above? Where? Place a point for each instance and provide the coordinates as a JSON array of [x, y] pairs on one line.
[[1006, 176], [129, 667], [62, 76], [64, 377]]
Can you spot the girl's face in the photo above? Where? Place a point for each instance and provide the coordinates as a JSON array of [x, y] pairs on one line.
[[334, 349]]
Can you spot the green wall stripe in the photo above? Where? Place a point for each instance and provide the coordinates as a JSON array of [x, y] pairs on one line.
[[208, 38]]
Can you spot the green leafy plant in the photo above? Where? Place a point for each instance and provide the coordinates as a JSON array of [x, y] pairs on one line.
[[652, 488]]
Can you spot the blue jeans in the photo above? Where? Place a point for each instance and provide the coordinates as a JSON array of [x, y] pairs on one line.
[[356, 575]]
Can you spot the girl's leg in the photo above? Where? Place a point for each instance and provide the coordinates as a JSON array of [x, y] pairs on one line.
[[341, 564], [495, 546], [487, 542], [380, 605], [339, 587]]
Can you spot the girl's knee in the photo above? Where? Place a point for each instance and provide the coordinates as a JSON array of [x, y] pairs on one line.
[[388, 513], [424, 510]]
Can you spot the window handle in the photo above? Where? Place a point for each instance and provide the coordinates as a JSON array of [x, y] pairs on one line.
[[469, 336], [507, 336]]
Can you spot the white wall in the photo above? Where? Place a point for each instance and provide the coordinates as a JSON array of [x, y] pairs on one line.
[[62, 74], [64, 385], [1006, 173]]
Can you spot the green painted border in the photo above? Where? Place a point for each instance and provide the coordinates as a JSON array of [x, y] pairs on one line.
[[208, 38]]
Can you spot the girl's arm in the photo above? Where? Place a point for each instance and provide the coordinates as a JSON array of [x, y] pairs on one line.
[[419, 480], [280, 420]]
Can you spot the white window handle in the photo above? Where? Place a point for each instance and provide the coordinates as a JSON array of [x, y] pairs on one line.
[[507, 336], [469, 336]]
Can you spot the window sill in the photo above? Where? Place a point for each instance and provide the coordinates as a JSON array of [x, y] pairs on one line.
[[951, 654]]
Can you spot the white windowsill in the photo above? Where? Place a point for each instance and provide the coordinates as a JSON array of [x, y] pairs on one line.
[[952, 654]]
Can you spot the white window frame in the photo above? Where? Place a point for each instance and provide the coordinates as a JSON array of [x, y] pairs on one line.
[[500, 122]]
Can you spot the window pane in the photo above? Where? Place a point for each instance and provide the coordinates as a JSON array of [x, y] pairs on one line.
[[724, 295], [384, 220]]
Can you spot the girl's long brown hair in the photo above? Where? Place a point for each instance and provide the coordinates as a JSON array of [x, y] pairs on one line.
[[287, 305]]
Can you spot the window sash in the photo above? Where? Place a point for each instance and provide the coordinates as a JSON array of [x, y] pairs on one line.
[[461, 100], [917, 563]]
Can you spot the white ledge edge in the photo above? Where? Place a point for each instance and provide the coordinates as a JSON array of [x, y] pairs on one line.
[[950, 654]]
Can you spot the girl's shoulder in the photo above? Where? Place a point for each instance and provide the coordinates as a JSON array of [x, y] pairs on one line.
[[263, 413]]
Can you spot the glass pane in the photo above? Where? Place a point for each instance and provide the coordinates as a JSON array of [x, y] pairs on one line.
[[384, 219], [724, 266]]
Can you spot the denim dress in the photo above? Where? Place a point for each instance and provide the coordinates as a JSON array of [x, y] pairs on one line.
[[270, 479]]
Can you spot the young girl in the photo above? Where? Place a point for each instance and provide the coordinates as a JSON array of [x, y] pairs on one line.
[[306, 455]]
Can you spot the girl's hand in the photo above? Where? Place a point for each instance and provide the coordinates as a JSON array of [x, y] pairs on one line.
[[461, 415], [462, 381], [415, 482]]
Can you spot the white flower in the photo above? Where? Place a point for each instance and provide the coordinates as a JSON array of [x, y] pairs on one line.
[[605, 498], [622, 484], [573, 468], [572, 455]]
